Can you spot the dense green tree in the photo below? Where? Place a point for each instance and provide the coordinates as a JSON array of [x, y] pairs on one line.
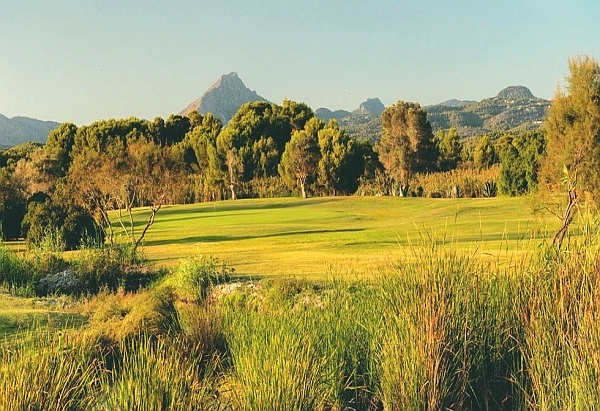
[[46, 217], [102, 135], [341, 163], [251, 144], [200, 143], [60, 143], [300, 161], [450, 149], [573, 129], [12, 206], [521, 163], [297, 113], [484, 155], [175, 129], [407, 144]]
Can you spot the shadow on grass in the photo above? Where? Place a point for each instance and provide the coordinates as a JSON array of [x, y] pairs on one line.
[[222, 209], [222, 238]]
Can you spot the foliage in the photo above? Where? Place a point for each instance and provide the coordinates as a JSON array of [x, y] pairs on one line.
[[450, 149], [12, 206], [53, 374], [110, 267], [341, 162], [16, 273], [407, 145], [484, 155], [196, 275], [520, 163], [300, 160], [71, 223], [573, 129], [60, 143], [159, 375]]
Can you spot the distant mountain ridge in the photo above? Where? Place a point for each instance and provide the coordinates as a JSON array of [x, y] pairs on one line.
[[514, 107], [17, 130], [224, 98]]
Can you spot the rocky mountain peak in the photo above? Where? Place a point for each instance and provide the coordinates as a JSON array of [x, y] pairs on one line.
[[372, 106], [224, 98]]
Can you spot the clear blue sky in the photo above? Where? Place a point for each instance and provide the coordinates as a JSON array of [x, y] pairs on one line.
[[83, 60]]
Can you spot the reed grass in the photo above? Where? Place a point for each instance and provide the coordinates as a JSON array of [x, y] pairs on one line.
[[46, 372], [157, 375]]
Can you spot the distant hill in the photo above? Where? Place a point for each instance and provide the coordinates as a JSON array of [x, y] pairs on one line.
[[513, 108], [224, 98], [325, 114], [17, 130], [364, 123], [456, 103]]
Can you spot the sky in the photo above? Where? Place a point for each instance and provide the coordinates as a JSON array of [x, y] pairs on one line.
[[81, 61]]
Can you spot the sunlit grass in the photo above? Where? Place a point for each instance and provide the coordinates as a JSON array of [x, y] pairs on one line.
[[356, 235]]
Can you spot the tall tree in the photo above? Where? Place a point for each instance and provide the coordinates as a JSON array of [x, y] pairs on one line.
[[573, 128], [297, 113], [407, 145], [520, 163], [572, 160], [341, 164], [300, 160], [450, 148], [124, 176], [60, 143], [484, 155]]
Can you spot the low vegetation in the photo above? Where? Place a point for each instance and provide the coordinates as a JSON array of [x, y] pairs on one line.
[[437, 329]]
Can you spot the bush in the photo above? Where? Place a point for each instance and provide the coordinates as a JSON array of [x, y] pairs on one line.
[[197, 274], [110, 266], [71, 223]]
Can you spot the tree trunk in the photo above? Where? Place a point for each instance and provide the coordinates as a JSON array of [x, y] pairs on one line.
[[232, 188], [303, 189]]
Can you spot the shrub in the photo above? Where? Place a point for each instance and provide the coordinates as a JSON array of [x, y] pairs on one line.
[[111, 266], [72, 224], [196, 275]]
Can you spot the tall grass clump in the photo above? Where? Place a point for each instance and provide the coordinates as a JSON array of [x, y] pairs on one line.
[[159, 374], [16, 272], [561, 318], [346, 323], [43, 372], [277, 364], [447, 338]]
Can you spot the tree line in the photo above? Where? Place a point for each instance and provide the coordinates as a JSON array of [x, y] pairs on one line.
[[85, 175]]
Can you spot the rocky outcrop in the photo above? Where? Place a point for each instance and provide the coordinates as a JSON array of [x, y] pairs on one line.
[[224, 98]]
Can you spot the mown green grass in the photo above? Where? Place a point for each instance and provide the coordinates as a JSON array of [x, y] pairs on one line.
[[340, 235]]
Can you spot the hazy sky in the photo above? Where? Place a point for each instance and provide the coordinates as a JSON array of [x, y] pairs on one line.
[[82, 61]]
